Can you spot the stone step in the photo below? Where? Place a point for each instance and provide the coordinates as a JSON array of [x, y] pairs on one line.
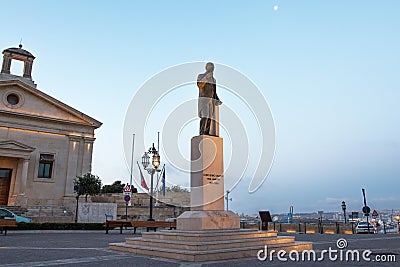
[[51, 214], [210, 245], [206, 255], [210, 235], [53, 219], [16, 209]]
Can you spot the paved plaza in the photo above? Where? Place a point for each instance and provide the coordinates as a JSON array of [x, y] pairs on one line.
[[90, 248]]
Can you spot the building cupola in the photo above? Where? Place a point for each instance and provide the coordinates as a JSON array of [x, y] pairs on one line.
[[20, 54]]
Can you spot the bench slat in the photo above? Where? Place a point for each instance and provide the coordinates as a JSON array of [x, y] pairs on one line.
[[7, 223], [137, 224]]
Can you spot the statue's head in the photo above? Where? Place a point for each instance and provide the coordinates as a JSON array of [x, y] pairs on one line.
[[210, 67]]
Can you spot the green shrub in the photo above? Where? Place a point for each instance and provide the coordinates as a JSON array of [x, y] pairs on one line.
[[60, 226]]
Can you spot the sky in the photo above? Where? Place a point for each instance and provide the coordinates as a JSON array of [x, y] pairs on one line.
[[328, 69]]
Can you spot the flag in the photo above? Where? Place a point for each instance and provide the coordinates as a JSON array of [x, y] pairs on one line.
[[142, 180], [163, 181]]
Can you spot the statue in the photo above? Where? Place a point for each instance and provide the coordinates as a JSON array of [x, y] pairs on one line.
[[208, 102]]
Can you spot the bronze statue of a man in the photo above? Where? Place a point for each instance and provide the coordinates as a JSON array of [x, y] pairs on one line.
[[208, 102]]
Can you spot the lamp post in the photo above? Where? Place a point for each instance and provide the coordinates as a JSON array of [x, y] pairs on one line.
[[365, 209], [227, 199], [398, 223], [344, 211], [79, 191], [155, 163]]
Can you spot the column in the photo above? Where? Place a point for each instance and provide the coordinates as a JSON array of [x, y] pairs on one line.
[[72, 164], [6, 64], [24, 176], [28, 68], [87, 154], [79, 166]]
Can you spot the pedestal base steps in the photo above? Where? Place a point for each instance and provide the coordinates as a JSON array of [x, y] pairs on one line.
[[208, 220], [208, 245]]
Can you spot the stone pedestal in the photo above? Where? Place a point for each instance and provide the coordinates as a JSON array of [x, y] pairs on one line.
[[207, 188], [207, 173], [208, 220]]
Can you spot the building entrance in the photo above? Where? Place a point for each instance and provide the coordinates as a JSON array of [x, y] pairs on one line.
[[5, 180]]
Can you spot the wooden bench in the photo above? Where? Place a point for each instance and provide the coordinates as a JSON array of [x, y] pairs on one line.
[[152, 225], [117, 223], [5, 224], [137, 224]]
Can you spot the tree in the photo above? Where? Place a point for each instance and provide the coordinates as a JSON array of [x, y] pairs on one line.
[[116, 187], [87, 184], [174, 189]]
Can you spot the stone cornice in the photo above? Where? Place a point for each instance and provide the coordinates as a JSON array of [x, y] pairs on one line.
[[30, 125], [43, 118]]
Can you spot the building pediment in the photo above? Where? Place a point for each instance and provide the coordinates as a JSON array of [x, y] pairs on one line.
[[11, 148], [14, 145], [19, 99]]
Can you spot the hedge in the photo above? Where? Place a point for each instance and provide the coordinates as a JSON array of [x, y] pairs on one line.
[[60, 226]]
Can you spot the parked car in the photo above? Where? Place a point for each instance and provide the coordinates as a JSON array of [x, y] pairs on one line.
[[7, 214], [362, 228]]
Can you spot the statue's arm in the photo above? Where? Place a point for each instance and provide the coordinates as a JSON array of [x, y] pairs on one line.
[[219, 102], [201, 81]]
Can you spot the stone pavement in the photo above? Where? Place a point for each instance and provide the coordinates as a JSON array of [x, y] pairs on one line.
[[90, 248]]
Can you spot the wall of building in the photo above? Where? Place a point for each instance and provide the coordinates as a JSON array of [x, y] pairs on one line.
[[72, 158]]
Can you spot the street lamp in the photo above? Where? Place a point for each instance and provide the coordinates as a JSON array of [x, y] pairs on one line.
[[344, 211], [227, 199], [398, 223], [79, 190], [155, 163]]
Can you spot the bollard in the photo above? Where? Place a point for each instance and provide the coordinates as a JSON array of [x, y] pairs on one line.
[[305, 228]]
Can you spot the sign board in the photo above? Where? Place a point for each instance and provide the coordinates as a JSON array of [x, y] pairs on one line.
[[366, 210], [127, 198], [127, 190], [375, 213], [265, 216]]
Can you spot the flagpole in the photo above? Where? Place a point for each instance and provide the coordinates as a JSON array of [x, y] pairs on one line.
[[158, 149], [163, 180], [133, 149], [130, 180]]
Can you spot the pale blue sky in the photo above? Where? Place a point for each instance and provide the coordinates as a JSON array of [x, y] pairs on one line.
[[329, 70]]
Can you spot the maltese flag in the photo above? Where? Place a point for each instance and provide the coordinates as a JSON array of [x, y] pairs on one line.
[[142, 180]]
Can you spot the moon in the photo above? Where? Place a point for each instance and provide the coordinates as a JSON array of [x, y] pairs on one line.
[[276, 7]]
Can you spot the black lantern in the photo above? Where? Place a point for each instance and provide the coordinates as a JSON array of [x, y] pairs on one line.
[[145, 160], [344, 211]]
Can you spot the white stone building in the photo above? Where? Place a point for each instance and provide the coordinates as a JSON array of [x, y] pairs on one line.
[[44, 143]]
